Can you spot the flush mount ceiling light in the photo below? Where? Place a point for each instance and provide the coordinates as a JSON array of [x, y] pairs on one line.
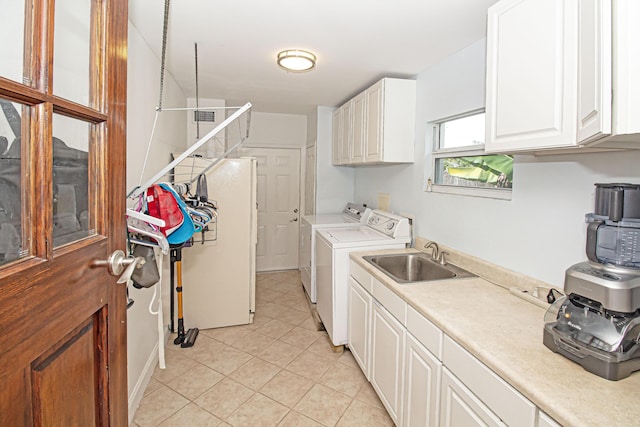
[[296, 60]]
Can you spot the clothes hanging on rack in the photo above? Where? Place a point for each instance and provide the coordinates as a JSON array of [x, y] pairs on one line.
[[197, 211], [180, 216], [186, 229], [163, 204], [149, 274], [143, 233]]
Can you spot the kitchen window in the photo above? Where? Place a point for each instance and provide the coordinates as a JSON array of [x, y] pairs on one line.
[[460, 165]]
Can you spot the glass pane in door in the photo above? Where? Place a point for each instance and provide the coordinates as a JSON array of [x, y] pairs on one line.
[[71, 51], [13, 223], [71, 207], [12, 39]]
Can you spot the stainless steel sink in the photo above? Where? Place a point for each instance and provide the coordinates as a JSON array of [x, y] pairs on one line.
[[415, 267]]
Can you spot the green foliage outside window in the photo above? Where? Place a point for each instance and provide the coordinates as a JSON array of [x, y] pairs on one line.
[[490, 171]]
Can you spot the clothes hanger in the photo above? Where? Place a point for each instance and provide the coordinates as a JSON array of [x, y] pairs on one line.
[[141, 242], [140, 227], [146, 218]]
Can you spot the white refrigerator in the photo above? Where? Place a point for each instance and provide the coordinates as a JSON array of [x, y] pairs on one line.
[[219, 275]]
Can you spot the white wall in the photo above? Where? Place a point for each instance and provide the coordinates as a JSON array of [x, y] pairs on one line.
[[142, 98], [334, 184], [541, 231], [12, 36], [277, 130], [215, 146]]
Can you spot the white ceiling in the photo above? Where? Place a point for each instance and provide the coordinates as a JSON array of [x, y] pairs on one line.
[[356, 42]]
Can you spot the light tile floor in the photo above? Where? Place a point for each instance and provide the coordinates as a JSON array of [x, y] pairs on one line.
[[278, 371]]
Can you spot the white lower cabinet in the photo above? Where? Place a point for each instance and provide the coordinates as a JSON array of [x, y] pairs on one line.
[[460, 407], [387, 360], [422, 376], [359, 324], [421, 385], [505, 401]]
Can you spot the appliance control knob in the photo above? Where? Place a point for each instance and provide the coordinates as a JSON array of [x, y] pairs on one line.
[[391, 225]]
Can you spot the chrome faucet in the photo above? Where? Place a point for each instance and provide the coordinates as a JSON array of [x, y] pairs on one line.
[[435, 251]]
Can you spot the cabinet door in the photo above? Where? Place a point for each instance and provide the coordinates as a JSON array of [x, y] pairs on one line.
[[359, 325], [336, 137], [310, 180], [347, 133], [324, 282], [359, 128], [495, 393], [374, 100], [545, 420], [304, 258], [422, 385], [460, 407], [387, 360], [626, 52], [594, 70], [531, 75]]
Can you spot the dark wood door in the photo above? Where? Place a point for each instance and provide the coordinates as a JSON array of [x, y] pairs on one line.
[[62, 200]]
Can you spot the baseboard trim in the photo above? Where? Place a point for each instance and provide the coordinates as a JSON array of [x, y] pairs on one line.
[[143, 381], [145, 377]]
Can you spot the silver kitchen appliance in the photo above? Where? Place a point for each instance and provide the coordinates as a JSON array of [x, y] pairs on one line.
[[613, 233], [598, 323]]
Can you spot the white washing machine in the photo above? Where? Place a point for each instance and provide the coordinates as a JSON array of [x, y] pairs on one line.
[[353, 215], [383, 230]]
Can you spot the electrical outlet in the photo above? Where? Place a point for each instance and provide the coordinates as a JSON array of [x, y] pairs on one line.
[[383, 202]]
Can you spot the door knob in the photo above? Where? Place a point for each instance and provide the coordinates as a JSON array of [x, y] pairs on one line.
[[294, 220], [118, 264], [295, 210]]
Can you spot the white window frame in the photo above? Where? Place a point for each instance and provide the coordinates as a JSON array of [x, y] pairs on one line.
[[469, 150]]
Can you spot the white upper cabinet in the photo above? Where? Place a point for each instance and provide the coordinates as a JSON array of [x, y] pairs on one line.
[[359, 130], [375, 104], [381, 125], [594, 70], [531, 63], [347, 132], [626, 69], [559, 74]]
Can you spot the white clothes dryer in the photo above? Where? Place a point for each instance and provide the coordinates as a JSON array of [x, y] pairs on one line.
[[383, 230], [353, 215]]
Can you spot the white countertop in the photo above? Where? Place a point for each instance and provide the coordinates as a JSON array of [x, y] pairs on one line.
[[505, 333]]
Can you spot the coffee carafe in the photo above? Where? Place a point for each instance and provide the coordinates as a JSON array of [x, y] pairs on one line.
[[613, 233]]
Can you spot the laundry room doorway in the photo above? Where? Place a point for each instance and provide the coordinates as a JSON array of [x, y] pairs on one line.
[[278, 188]]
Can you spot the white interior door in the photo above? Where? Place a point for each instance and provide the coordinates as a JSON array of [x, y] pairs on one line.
[[278, 207], [310, 181]]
